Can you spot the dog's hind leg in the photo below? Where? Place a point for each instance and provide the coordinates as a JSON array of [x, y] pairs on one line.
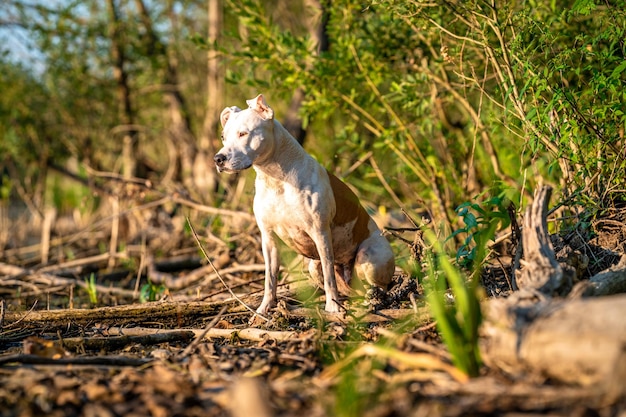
[[343, 275], [315, 271]]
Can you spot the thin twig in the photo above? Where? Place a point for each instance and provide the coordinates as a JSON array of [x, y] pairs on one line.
[[385, 184], [206, 256], [199, 337], [25, 315], [212, 210], [357, 164]]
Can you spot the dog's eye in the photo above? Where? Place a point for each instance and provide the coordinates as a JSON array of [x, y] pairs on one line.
[[242, 134], [222, 136]]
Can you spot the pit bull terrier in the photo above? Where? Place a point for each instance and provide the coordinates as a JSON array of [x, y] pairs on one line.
[[307, 207]]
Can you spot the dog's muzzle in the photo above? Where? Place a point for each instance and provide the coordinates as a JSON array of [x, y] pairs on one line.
[[220, 161], [224, 163]]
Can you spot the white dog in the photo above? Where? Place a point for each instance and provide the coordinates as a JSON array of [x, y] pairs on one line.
[[310, 209]]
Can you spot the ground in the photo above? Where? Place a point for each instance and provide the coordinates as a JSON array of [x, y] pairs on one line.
[[197, 350]]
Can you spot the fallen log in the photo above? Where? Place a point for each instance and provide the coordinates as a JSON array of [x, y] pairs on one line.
[[249, 333], [581, 342], [180, 314], [535, 332], [118, 315], [121, 341], [607, 282], [40, 282]]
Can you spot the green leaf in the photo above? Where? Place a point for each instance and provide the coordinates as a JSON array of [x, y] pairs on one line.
[[583, 7], [619, 70]]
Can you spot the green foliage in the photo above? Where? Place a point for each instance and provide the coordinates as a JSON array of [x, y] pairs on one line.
[[369, 77], [447, 98], [575, 76], [481, 222], [151, 292], [92, 289], [351, 397], [452, 97], [68, 104], [458, 321], [5, 187]]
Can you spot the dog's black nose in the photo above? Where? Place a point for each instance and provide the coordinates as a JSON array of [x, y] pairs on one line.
[[219, 159]]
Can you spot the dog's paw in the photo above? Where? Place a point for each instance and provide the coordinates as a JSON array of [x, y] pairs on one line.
[[262, 315], [332, 306], [264, 308]]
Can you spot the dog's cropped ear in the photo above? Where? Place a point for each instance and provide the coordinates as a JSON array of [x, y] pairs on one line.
[[259, 105], [226, 114]]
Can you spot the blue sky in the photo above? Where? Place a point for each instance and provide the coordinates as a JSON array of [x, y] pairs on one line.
[[16, 41]]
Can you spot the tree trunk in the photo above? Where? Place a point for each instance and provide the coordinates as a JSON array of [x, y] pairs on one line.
[[129, 140], [204, 173], [317, 30], [180, 135]]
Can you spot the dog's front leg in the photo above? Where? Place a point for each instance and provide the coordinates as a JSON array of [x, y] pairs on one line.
[[272, 266], [323, 243]]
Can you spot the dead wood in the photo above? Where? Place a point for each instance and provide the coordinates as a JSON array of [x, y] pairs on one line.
[[174, 283], [119, 342], [77, 263], [241, 216], [487, 395], [134, 313], [40, 282], [576, 341], [379, 316], [184, 313], [541, 270], [250, 333], [607, 282]]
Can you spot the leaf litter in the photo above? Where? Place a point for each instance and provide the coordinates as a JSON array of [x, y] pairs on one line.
[[383, 357]]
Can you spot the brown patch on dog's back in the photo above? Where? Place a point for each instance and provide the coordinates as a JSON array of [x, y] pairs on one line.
[[348, 209]]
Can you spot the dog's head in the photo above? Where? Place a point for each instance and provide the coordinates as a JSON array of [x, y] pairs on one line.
[[246, 135]]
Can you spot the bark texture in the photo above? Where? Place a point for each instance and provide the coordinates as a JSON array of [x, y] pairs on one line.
[[535, 332]]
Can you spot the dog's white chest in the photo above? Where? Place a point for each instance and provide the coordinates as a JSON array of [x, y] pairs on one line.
[[293, 214]]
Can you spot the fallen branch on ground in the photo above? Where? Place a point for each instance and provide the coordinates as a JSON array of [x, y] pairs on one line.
[[119, 342], [379, 316], [607, 282], [133, 313], [41, 282], [576, 341], [250, 333]]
